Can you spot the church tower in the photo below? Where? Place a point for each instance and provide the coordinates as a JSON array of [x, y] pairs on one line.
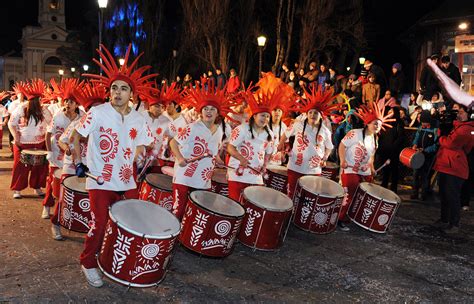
[[51, 13]]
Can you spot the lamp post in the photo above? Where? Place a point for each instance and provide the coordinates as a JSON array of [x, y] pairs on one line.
[[85, 67], [121, 61], [102, 6], [361, 60], [261, 40], [61, 73]]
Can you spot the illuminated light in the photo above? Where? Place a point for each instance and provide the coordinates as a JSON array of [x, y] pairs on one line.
[[121, 61], [73, 69], [102, 3], [361, 60], [348, 68], [261, 40], [464, 69], [85, 67], [463, 26], [61, 72]]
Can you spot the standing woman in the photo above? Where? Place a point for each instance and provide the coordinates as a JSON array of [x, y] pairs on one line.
[[28, 127], [278, 128], [312, 145], [197, 145], [356, 152], [251, 144]]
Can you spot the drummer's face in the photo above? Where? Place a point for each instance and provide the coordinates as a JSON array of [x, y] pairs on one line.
[[70, 105], [157, 109], [120, 93], [375, 126], [262, 119], [277, 114], [313, 116], [209, 114]]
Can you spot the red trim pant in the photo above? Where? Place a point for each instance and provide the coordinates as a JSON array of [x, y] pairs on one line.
[[350, 182], [293, 177], [48, 196], [180, 199], [100, 201], [23, 174], [236, 189]]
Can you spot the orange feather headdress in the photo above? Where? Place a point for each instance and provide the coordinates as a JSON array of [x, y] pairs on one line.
[[90, 93], [374, 112]]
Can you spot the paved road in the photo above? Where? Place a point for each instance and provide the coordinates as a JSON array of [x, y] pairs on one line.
[[412, 263]]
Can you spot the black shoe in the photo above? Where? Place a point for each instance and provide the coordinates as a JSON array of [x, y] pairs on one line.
[[440, 224], [451, 230], [343, 227]]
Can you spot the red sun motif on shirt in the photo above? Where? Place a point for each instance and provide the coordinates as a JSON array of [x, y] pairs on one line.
[[133, 133], [206, 174], [350, 134], [125, 173], [319, 138], [246, 150], [58, 133], [315, 161], [301, 142], [108, 144], [200, 147], [235, 134], [158, 131], [127, 153], [184, 133], [86, 120]]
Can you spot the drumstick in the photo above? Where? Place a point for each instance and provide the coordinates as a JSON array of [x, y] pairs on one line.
[[193, 159], [265, 175], [99, 179], [147, 164], [386, 163]]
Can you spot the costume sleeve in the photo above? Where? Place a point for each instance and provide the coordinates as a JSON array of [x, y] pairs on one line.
[[183, 137], [88, 123], [327, 141], [238, 135], [350, 139]]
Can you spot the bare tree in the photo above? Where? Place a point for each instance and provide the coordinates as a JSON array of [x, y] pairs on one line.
[[285, 18]]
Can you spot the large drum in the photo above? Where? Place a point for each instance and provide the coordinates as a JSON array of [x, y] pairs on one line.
[[56, 185], [317, 202], [74, 205], [138, 243], [33, 157], [373, 207], [158, 189], [412, 158], [277, 178], [219, 183], [331, 171], [267, 217], [211, 224]]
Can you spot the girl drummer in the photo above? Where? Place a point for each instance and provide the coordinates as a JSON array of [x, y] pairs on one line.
[[197, 145], [312, 144], [28, 127], [356, 152], [279, 128]]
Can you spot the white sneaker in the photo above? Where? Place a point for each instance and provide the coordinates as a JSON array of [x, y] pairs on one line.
[[56, 232], [16, 194], [93, 276], [465, 208], [45, 214], [39, 192]]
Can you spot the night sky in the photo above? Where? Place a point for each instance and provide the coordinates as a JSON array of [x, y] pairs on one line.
[[384, 21]]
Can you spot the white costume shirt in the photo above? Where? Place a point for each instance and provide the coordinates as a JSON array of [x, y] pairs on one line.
[[111, 147], [276, 158], [54, 108], [3, 114], [308, 148], [253, 149], [358, 152], [68, 164], [174, 127], [194, 140], [29, 132], [157, 127]]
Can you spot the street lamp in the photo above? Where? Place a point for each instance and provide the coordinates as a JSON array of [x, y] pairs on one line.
[[61, 73], [361, 60], [73, 69], [261, 40], [102, 6], [463, 26], [85, 67], [121, 61]]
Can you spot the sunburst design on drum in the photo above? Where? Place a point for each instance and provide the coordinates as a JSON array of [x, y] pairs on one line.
[[222, 228], [66, 214], [85, 204], [320, 218], [383, 219], [150, 251], [108, 144], [168, 204], [200, 147]]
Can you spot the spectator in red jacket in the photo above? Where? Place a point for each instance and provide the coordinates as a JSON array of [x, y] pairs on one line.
[[451, 163], [233, 83]]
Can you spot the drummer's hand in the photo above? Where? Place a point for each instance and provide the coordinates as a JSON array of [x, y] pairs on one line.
[[244, 163], [182, 162], [67, 151], [49, 156], [81, 170], [323, 163], [344, 164], [219, 161], [414, 147], [281, 147]]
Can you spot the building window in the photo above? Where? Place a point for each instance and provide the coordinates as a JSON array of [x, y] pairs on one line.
[[53, 61], [54, 36], [54, 18]]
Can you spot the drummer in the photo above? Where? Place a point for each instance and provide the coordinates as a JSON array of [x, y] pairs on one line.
[[116, 134], [312, 145], [278, 128], [87, 96], [251, 144], [59, 123], [200, 140], [357, 151], [28, 126]]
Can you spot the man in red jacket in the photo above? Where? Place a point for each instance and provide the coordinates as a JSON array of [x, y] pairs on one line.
[[451, 163]]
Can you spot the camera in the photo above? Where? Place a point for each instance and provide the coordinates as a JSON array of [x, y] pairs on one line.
[[446, 121]]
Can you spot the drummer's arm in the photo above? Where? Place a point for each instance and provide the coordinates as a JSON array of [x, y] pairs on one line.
[[371, 164], [235, 154], [342, 155], [281, 144], [76, 153], [177, 153], [48, 141]]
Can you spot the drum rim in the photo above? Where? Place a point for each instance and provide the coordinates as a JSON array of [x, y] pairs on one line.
[[319, 194], [149, 183], [44, 152], [136, 233], [367, 228], [264, 207], [213, 211], [113, 278], [167, 167], [58, 170], [399, 201], [79, 191]]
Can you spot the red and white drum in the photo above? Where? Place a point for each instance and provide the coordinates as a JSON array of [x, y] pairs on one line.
[[33, 157], [267, 217], [211, 223], [277, 178], [219, 183], [412, 158], [331, 171], [56, 185], [373, 207], [317, 202], [158, 189], [74, 205], [167, 170], [138, 243]]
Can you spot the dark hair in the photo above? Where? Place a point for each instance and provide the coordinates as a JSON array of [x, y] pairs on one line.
[[252, 123], [445, 59], [376, 138], [271, 127], [319, 127], [222, 123], [349, 93], [33, 109]]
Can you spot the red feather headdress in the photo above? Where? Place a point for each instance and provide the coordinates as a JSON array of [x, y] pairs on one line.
[[318, 100], [18, 88], [4, 95], [372, 112], [200, 97], [66, 87], [35, 88], [271, 84], [164, 96], [132, 75], [90, 93]]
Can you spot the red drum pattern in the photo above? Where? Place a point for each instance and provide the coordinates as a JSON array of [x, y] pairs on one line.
[[157, 188], [277, 178], [412, 158], [74, 205]]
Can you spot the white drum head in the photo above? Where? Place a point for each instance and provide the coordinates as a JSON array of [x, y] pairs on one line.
[[267, 198], [217, 203], [220, 175], [282, 170], [168, 170], [144, 219], [57, 173], [160, 181], [321, 186], [75, 183], [380, 192]]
